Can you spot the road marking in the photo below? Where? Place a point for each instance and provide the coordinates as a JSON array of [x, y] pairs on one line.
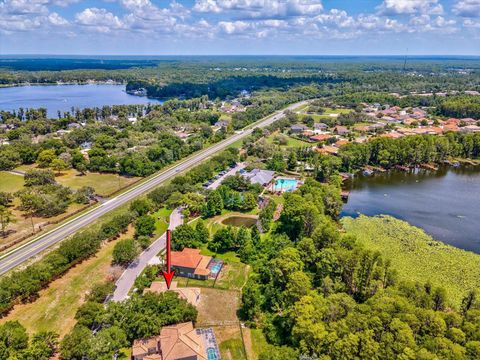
[[155, 180]]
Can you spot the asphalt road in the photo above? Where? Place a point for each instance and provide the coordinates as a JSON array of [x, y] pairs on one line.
[[34, 247], [126, 281]]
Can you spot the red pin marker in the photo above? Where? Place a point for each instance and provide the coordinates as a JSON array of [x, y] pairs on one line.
[[168, 275]]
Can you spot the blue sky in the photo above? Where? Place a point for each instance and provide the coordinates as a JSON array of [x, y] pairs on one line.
[[183, 27]]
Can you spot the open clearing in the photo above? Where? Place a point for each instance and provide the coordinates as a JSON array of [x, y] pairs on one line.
[[10, 182], [104, 184], [55, 308], [291, 142]]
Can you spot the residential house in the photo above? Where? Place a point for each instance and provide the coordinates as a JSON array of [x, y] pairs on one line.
[[341, 143], [191, 294], [298, 128], [451, 127], [74, 126], [341, 130], [258, 176], [182, 342], [221, 123], [132, 119], [320, 126], [307, 133], [320, 137], [470, 128], [176, 342], [146, 349], [62, 132], [189, 263], [469, 121], [326, 149]]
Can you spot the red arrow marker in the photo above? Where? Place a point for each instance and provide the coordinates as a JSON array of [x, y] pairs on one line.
[[168, 275]]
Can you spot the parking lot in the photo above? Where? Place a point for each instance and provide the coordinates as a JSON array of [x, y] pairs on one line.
[[217, 180]]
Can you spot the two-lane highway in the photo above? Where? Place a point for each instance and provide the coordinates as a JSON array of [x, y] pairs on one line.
[[34, 247]]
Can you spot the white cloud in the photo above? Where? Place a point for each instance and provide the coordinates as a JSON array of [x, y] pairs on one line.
[[467, 8], [98, 20], [268, 9], [57, 20], [396, 7]]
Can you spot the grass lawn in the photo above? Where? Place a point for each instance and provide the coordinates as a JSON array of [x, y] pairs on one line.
[[291, 142], [104, 184], [163, 217], [55, 308], [417, 256], [329, 111], [258, 342], [187, 282], [233, 276], [230, 256], [10, 183], [232, 349]]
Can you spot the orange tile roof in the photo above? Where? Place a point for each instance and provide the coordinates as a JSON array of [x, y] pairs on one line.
[[327, 150], [191, 258], [341, 142], [320, 137], [181, 341], [188, 258], [143, 346]]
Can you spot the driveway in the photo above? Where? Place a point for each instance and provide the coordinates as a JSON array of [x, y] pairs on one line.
[[126, 281], [231, 172]]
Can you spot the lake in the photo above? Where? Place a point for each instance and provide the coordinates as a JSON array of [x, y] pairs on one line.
[[445, 203], [62, 97]]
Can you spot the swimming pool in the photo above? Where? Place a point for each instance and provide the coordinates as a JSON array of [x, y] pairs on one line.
[[212, 354], [285, 185], [216, 268]]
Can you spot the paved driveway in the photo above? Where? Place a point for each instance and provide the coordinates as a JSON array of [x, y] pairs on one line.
[[126, 281], [231, 172]]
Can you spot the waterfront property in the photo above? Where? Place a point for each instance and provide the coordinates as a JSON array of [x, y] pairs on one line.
[[190, 263]]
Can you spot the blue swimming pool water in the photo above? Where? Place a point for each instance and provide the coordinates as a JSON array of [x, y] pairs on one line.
[[211, 354], [285, 185], [216, 268]]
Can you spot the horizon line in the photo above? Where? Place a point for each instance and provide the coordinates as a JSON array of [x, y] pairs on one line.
[[256, 55]]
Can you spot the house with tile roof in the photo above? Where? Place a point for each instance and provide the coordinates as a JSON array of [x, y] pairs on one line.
[[190, 263], [177, 342], [182, 341]]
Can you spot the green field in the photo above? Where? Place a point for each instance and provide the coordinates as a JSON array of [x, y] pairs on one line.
[[292, 143], [233, 349], [162, 217], [259, 343], [104, 184], [10, 182], [417, 256]]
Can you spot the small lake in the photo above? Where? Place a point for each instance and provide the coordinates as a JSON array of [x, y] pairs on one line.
[[63, 97], [238, 221], [445, 203]]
